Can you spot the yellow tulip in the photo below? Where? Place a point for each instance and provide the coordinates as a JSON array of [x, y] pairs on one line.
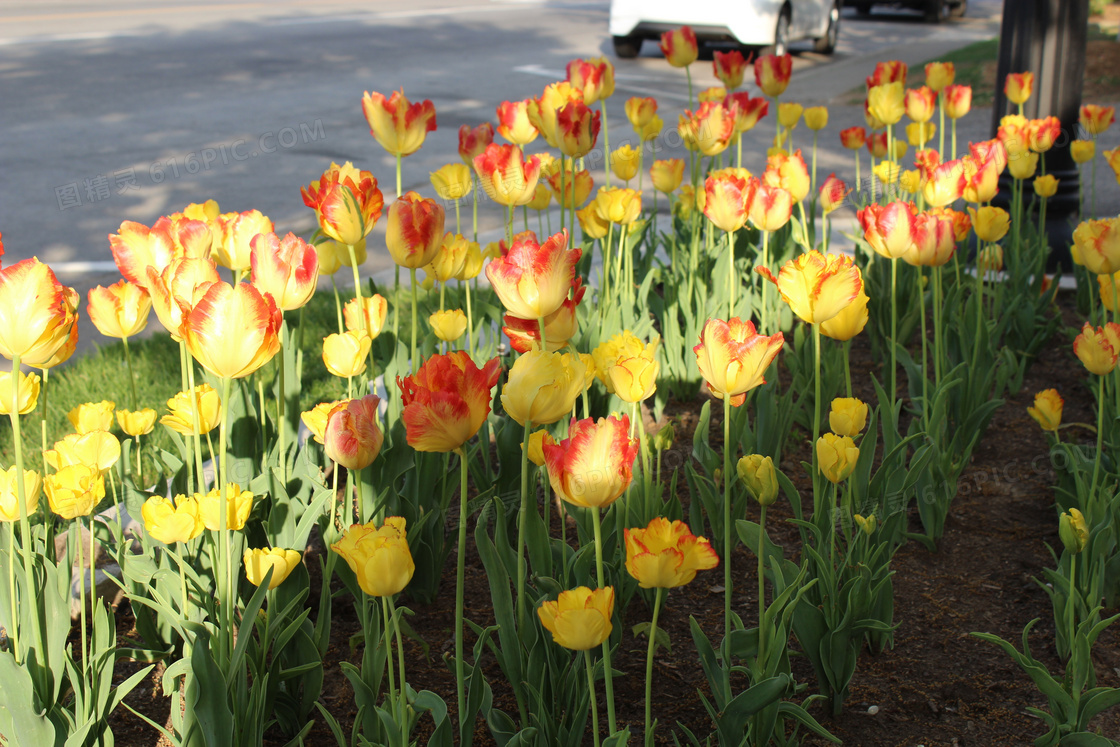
[[121, 310], [1045, 186], [887, 102], [618, 204], [316, 418], [836, 456], [9, 497], [28, 393], [990, 223], [848, 416], [98, 449], [1047, 410], [137, 422], [1022, 164], [579, 619], [624, 162], [239, 504], [448, 325], [452, 182], [665, 555], [379, 557], [170, 521], [1094, 348], [849, 322], [789, 114], [281, 562], [345, 354], [537, 440], [920, 133], [818, 286], [542, 387], [757, 473], [92, 416], [667, 174], [37, 313], [449, 261], [181, 408], [74, 490], [816, 118], [868, 525], [1082, 150], [1073, 531], [367, 313], [940, 75], [233, 331]]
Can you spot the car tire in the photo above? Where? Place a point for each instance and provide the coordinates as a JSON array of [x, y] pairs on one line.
[[935, 11], [627, 47], [863, 9], [781, 34], [958, 10], [827, 43]]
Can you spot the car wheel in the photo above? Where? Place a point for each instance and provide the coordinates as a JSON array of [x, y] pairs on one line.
[[781, 34], [627, 47], [935, 11], [958, 10], [827, 43]]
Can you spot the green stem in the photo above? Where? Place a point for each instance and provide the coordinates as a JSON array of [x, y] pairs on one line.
[[400, 663], [954, 140], [522, 529], [727, 579], [936, 272], [1071, 603], [606, 144], [925, 363], [731, 274], [415, 324], [226, 600], [460, 582], [12, 588], [894, 331], [131, 378], [816, 392], [650, 649], [591, 694], [848, 367], [388, 641], [196, 427], [762, 658], [357, 277], [77, 526], [470, 319], [813, 182], [282, 423], [608, 675], [766, 264], [941, 126], [1100, 441]]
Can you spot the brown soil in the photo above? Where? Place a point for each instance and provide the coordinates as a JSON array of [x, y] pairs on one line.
[[937, 686]]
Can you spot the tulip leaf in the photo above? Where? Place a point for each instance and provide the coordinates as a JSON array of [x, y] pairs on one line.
[[661, 636]]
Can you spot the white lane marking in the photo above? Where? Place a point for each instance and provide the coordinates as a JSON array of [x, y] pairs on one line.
[[79, 266]]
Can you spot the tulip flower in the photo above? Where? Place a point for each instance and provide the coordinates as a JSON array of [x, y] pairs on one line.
[[757, 473], [176, 290], [580, 619], [1082, 150], [74, 490], [448, 325], [772, 73], [571, 190], [316, 418], [666, 555], [1073, 531], [137, 422], [577, 128], [733, 357], [232, 331], [816, 118], [446, 401], [559, 327], [867, 525], [1018, 87], [982, 179], [593, 78], [940, 75], [847, 417], [1047, 410], [414, 231], [817, 286], [934, 241], [714, 93], [789, 114], [640, 111], [888, 71], [877, 145], [452, 181], [378, 556], [473, 141], [886, 102], [1096, 119], [667, 174], [28, 393], [366, 314], [680, 46], [181, 407], [729, 67], [833, 193], [92, 416], [920, 103], [990, 223], [121, 310], [920, 133], [543, 110], [1097, 245], [135, 247], [398, 125], [849, 322], [232, 248], [728, 199], [889, 229], [710, 129], [945, 184], [345, 354], [98, 449], [836, 457], [514, 124], [1045, 186], [958, 101], [9, 501], [853, 138], [542, 387], [238, 502], [37, 313], [1094, 348], [625, 162], [1041, 133], [771, 208], [989, 260], [788, 172], [593, 225], [259, 562], [287, 269], [505, 176], [353, 437], [532, 280], [170, 521]]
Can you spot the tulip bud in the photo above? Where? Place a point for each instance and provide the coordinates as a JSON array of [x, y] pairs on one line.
[[345, 354], [1045, 186], [1073, 531], [448, 325], [816, 118], [789, 114], [1018, 87], [1047, 410], [868, 525], [353, 437], [958, 101], [281, 562], [940, 75], [836, 457], [452, 182], [1082, 151], [680, 46], [138, 422], [990, 223], [757, 473], [378, 556], [1096, 119], [624, 162], [666, 175], [239, 504], [848, 416], [663, 439]]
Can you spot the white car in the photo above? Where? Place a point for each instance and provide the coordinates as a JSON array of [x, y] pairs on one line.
[[754, 24]]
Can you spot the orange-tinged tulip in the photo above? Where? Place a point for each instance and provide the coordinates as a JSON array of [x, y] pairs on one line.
[[135, 246], [889, 229], [182, 284], [593, 466], [714, 93], [170, 521], [74, 490], [836, 457], [452, 181], [665, 555], [1082, 151], [920, 103], [239, 504], [710, 129], [680, 46], [181, 408], [1096, 119], [640, 111], [940, 75], [833, 193], [208, 212], [733, 357], [92, 416], [366, 313], [449, 324], [728, 198], [817, 286], [667, 174], [287, 269], [137, 422], [414, 231], [559, 327], [849, 322], [378, 556], [579, 619], [9, 495], [577, 128], [789, 114], [887, 102], [576, 188], [729, 67], [747, 111], [121, 310], [983, 179], [259, 562], [958, 101], [316, 418], [514, 124], [543, 110], [877, 145], [624, 162], [1113, 158], [446, 401], [853, 138], [1041, 133], [593, 78], [1018, 87], [772, 73], [231, 331], [934, 241], [27, 397], [1097, 245], [232, 248], [543, 387], [888, 71], [1093, 347], [990, 223], [397, 124], [346, 201], [473, 141], [1047, 410], [962, 224], [945, 184], [771, 208], [37, 313], [505, 176], [353, 437], [345, 354], [1045, 186], [788, 172], [532, 280], [592, 224], [627, 366]]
